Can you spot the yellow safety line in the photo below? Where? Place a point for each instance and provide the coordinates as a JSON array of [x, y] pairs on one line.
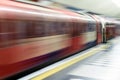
[[67, 64]]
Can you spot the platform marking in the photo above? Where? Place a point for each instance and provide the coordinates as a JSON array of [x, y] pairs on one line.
[[69, 63]]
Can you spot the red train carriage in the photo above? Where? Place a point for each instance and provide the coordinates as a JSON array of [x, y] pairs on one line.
[[110, 27], [31, 35], [28, 34], [117, 28], [110, 31]]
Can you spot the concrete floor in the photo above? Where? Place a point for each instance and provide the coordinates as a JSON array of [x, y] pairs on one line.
[[104, 65]]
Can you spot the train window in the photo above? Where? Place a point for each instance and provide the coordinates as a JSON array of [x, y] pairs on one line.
[[56, 28], [50, 28], [21, 28], [7, 26], [81, 27], [8, 29], [53, 28], [59, 28], [9, 32], [91, 26], [39, 29], [64, 28], [68, 28], [30, 29], [18, 29]]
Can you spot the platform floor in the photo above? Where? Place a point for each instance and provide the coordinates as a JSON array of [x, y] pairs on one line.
[[103, 65]]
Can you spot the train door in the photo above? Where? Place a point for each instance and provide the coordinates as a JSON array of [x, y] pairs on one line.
[[99, 32], [99, 28], [75, 38], [90, 34], [81, 32]]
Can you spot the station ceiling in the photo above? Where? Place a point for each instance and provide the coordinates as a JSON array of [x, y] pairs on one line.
[[106, 7]]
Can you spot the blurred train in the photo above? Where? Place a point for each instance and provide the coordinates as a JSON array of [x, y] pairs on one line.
[[31, 36]]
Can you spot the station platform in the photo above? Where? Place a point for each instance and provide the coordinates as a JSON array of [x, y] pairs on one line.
[[101, 62]]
